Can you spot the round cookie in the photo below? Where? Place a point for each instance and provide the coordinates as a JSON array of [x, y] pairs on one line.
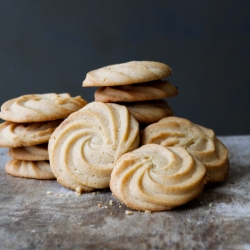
[[200, 142], [155, 178], [26, 134], [31, 153], [149, 112], [85, 147], [137, 92], [29, 169], [40, 107], [127, 73]]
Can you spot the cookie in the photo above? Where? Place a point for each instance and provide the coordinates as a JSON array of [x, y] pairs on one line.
[[29, 169], [155, 178], [38, 108], [149, 112], [127, 73], [31, 153], [200, 142], [85, 147], [26, 134], [137, 92]]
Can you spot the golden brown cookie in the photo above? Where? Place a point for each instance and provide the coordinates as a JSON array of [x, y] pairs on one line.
[[26, 134], [85, 147], [29, 169], [127, 73], [155, 178], [149, 112], [40, 107], [200, 142], [136, 92], [31, 153]]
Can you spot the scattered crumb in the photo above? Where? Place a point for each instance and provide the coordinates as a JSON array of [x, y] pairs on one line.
[[112, 194], [56, 194], [105, 206], [127, 212], [62, 195], [49, 192], [79, 190], [147, 212], [99, 205], [111, 213], [120, 206], [111, 203], [210, 205], [78, 194], [94, 193]]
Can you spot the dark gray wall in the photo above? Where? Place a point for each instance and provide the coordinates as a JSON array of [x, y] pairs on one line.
[[49, 46]]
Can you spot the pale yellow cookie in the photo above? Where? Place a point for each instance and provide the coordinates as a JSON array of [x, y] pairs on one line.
[[155, 178], [149, 112], [127, 73], [29, 169], [200, 142], [85, 147], [137, 92], [40, 107], [26, 134], [31, 153]]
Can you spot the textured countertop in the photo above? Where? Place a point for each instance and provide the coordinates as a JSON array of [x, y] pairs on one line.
[[218, 219]]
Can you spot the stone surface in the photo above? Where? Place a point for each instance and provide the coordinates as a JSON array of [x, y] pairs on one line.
[[218, 219]]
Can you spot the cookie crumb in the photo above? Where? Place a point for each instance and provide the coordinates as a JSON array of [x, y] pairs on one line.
[[127, 212], [111, 213], [62, 195], [99, 205], [210, 205], [93, 193], [105, 206], [79, 190], [111, 203], [147, 212], [120, 206], [78, 194], [56, 194], [49, 192]]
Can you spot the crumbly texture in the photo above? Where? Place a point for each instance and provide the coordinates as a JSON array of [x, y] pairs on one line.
[[85, 147], [199, 141], [127, 73], [136, 92], [149, 111], [40, 107], [29, 169], [31, 153], [26, 134], [155, 178]]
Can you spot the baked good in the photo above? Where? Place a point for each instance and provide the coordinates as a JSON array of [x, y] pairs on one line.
[[127, 73], [137, 92], [155, 178], [150, 111], [199, 141], [26, 134], [30, 153], [29, 169], [40, 107], [85, 147]]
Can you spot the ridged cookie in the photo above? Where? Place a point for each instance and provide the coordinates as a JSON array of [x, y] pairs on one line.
[[31, 153], [137, 92], [40, 107], [149, 112], [156, 178], [200, 142], [85, 147], [127, 73], [29, 169], [26, 134]]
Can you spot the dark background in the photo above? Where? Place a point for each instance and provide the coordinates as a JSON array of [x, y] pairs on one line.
[[49, 46]]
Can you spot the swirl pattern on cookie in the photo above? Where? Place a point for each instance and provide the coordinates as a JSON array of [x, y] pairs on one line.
[[29, 169], [85, 147], [200, 142], [43, 107], [26, 134], [127, 73], [137, 92], [156, 178]]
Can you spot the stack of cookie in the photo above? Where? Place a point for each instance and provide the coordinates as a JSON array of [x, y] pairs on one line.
[[30, 121], [137, 85]]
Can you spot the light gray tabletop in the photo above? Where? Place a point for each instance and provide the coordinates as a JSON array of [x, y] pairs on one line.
[[218, 219]]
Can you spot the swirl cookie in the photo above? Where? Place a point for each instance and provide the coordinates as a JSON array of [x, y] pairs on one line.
[[38, 108], [85, 147], [127, 73], [29, 169], [156, 178], [26, 134], [31, 153], [137, 92], [200, 142], [149, 112]]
